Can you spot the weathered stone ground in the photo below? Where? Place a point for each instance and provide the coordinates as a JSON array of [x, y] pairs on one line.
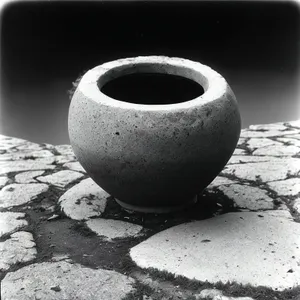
[[63, 237]]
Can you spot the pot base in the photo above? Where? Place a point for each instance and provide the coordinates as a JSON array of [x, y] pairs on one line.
[[157, 210]]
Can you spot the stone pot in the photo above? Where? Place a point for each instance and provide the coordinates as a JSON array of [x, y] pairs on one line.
[[153, 157]]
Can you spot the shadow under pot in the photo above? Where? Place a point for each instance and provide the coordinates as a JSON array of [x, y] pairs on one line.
[[153, 131]]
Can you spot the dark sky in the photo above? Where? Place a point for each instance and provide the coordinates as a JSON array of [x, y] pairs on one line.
[[46, 45]]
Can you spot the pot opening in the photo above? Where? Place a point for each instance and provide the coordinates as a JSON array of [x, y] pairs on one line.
[[151, 88]]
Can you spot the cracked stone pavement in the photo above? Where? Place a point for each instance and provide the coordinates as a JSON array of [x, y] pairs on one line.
[[63, 237]]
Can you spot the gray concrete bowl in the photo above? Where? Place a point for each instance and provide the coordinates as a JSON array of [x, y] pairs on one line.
[[153, 158]]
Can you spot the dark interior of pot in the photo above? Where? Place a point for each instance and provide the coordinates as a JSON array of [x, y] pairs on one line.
[[152, 88]]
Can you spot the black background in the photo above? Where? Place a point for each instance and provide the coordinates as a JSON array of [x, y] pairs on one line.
[[46, 45]]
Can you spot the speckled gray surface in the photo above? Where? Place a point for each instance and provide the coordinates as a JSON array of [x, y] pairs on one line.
[[244, 227], [153, 156]]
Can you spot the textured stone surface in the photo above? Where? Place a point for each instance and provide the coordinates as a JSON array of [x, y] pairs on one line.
[[255, 143], [25, 155], [75, 166], [220, 181], [7, 142], [280, 213], [289, 141], [28, 177], [62, 280], [264, 134], [238, 151], [19, 248], [275, 169], [281, 150], [209, 293], [62, 159], [241, 141], [3, 181], [84, 200], [238, 159], [248, 248], [61, 178], [296, 205], [292, 137], [11, 222], [295, 123], [18, 194], [111, 229], [26, 165], [260, 247], [244, 196], [28, 146], [274, 126], [288, 187], [214, 294], [64, 150]]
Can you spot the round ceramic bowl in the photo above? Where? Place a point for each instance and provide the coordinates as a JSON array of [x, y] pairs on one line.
[[155, 155]]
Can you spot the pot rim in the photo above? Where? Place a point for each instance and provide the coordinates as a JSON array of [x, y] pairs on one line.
[[214, 85]]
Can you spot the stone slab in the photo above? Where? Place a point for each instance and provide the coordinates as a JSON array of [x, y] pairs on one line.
[[75, 166], [3, 181], [19, 248], [65, 281], [17, 194], [288, 187], [61, 178], [29, 146], [238, 151], [84, 200], [214, 294], [11, 222], [7, 142], [219, 180], [26, 165], [25, 155], [289, 141], [244, 196], [274, 126], [272, 170], [255, 143], [112, 229], [293, 136], [241, 141], [247, 248], [275, 150], [296, 205], [28, 177], [62, 159], [239, 159], [64, 150], [264, 134], [294, 123]]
